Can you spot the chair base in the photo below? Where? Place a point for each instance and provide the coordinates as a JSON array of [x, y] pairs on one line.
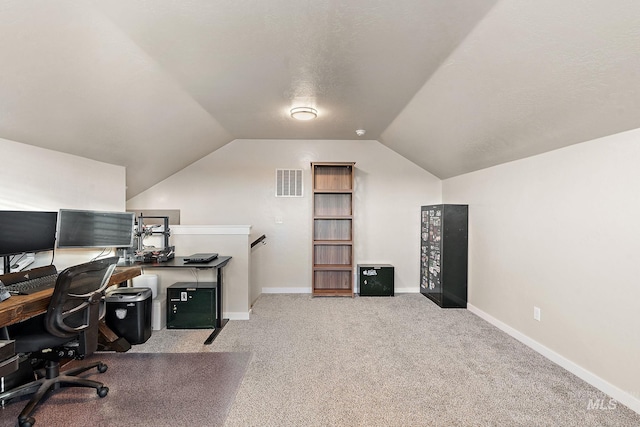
[[53, 380]]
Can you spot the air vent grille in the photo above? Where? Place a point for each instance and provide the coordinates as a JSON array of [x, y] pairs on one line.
[[288, 182]]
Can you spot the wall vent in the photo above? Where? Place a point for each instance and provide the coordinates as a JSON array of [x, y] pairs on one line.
[[288, 182]]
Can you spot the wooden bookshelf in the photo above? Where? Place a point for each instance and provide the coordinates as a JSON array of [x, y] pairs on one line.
[[332, 228]]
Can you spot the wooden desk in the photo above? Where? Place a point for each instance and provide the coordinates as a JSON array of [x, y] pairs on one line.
[[22, 307]]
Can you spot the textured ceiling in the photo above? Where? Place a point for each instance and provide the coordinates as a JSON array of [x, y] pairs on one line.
[[531, 77], [454, 85]]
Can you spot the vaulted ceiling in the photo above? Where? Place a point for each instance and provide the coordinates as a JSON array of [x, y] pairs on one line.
[[454, 86]]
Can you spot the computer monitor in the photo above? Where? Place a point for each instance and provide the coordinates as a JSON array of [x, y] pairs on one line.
[[27, 231], [95, 229]]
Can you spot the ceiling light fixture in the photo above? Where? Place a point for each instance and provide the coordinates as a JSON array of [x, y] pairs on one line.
[[304, 113]]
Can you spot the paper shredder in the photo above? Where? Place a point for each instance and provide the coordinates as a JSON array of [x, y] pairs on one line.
[[128, 313]]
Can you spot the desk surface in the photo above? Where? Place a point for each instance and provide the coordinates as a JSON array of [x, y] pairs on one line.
[[178, 262], [22, 307]]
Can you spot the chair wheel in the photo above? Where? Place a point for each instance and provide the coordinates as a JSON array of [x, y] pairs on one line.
[[27, 422], [103, 391], [102, 368]]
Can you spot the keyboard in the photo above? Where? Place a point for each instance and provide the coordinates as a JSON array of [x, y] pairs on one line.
[[32, 286]]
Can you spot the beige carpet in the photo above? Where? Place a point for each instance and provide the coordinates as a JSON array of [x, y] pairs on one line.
[[398, 361], [386, 361], [158, 390]]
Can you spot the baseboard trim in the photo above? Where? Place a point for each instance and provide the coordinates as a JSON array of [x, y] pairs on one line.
[[412, 290], [236, 315], [308, 291], [286, 290], [621, 396]]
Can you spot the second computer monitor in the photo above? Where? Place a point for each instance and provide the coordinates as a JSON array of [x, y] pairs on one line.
[[95, 229]]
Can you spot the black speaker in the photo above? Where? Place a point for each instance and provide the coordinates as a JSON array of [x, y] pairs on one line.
[[191, 305]]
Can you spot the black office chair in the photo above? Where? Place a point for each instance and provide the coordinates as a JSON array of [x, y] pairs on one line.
[[68, 330]]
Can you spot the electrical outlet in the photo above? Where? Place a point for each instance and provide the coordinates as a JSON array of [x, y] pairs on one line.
[[536, 313]]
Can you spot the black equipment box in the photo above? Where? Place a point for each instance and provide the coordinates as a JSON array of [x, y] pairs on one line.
[[7, 349], [376, 280], [8, 358], [191, 305], [15, 371], [129, 313]]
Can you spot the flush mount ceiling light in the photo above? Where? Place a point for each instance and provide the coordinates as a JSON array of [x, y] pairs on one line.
[[304, 113]]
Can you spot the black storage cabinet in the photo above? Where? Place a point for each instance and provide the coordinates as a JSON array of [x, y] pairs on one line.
[[376, 280], [191, 305], [443, 254], [129, 313]]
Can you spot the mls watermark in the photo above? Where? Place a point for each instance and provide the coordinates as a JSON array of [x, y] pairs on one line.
[[602, 404], [599, 401]]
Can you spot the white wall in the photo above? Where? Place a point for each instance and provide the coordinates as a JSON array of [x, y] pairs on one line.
[[38, 179], [560, 231], [236, 185]]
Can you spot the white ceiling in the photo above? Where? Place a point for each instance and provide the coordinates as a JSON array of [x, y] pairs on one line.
[[454, 85]]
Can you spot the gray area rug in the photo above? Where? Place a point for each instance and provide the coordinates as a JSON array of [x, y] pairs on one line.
[[145, 389]]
